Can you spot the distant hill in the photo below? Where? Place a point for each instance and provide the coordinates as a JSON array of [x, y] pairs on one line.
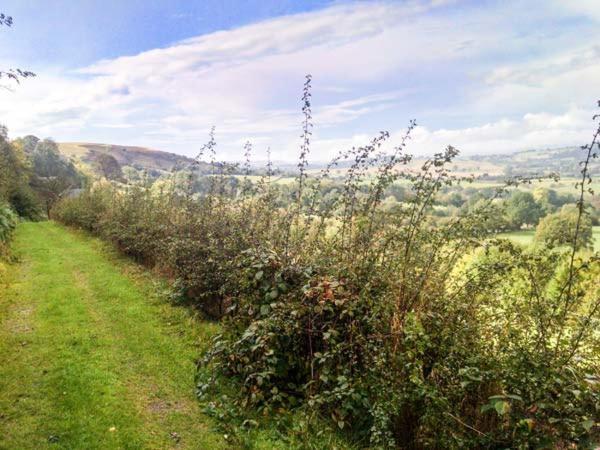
[[141, 158], [564, 161], [491, 166]]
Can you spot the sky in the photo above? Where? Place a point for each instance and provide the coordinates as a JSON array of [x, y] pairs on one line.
[[484, 76]]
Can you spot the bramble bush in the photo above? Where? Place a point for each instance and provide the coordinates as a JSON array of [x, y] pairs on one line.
[[8, 222], [405, 331]]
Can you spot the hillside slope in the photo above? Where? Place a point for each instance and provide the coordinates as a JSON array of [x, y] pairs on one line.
[[137, 157], [564, 160], [526, 162]]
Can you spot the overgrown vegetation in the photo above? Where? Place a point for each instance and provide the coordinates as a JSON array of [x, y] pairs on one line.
[[403, 330], [558, 228], [8, 221], [33, 175]]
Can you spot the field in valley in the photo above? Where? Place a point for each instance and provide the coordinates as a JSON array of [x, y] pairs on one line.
[[525, 237]]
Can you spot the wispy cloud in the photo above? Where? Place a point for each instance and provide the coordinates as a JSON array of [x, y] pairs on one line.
[[376, 64]]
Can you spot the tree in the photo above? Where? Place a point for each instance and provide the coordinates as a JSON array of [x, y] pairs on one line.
[[15, 173], [398, 191], [48, 162], [28, 143], [558, 229], [12, 166], [522, 209], [52, 174], [547, 199], [109, 167], [550, 200], [494, 221], [454, 199]]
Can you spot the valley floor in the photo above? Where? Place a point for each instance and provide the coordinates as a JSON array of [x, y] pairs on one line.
[[90, 356]]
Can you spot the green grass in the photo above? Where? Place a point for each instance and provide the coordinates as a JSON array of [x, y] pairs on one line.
[[563, 186], [523, 237], [274, 179], [93, 356], [526, 237]]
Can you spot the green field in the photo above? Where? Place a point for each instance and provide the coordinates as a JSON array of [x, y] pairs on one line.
[[563, 186], [526, 237]]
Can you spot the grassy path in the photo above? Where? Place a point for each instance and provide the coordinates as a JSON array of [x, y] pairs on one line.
[[90, 357]]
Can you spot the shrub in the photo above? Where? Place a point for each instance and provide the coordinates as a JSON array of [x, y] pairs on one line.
[[25, 203], [85, 210], [8, 222], [406, 331], [560, 228], [14, 179]]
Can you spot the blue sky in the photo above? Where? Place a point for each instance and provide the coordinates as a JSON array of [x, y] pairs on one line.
[[485, 76], [77, 33]]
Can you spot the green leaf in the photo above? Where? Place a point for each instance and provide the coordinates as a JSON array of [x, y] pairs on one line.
[[587, 424], [258, 275], [501, 407], [486, 408], [530, 423]]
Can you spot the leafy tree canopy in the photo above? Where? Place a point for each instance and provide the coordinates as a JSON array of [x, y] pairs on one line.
[[559, 229], [522, 209]]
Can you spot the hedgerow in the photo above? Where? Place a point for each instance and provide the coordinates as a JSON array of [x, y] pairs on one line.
[[404, 331], [8, 222]]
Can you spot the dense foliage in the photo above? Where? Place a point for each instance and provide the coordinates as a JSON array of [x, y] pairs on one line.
[[14, 178], [34, 175], [404, 330], [8, 221], [559, 228]]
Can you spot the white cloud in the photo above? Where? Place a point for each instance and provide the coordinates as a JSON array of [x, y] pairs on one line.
[[586, 8], [551, 83], [532, 131], [373, 61]]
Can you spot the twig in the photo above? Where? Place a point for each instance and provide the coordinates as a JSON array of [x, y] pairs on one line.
[[466, 424]]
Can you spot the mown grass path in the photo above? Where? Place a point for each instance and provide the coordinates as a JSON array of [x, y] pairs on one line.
[[90, 356]]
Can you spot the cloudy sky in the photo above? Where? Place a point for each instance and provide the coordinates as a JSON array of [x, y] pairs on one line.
[[485, 76]]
